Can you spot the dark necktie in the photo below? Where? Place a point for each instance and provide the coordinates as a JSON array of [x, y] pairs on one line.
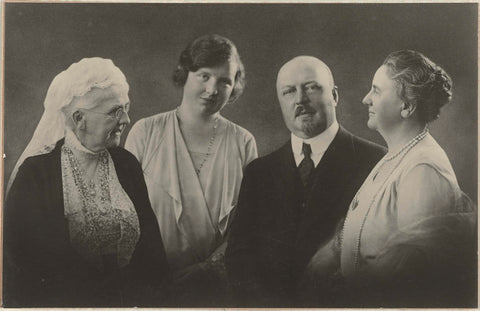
[[306, 166]]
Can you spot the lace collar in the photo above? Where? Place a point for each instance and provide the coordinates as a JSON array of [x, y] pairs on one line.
[[80, 151]]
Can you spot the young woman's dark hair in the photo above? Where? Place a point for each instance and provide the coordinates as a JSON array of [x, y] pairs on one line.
[[206, 52]]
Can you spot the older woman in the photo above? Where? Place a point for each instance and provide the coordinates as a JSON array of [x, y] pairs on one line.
[[79, 228], [193, 159], [409, 235]]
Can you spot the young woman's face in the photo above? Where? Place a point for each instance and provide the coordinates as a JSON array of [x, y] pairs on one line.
[[106, 121], [384, 104], [208, 89]]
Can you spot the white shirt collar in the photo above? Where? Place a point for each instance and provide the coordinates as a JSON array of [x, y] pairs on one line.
[[319, 143]]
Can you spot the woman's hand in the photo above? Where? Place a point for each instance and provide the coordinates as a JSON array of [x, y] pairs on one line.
[[190, 272], [322, 280], [219, 253], [212, 268], [325, 261]]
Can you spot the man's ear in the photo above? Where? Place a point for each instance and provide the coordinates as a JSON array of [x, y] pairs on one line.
[[335, 94], [78, 120]]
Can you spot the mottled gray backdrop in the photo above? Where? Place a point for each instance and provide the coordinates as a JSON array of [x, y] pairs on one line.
[[144, 40]]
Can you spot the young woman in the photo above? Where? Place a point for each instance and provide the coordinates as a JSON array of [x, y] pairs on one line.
[[193, 161]]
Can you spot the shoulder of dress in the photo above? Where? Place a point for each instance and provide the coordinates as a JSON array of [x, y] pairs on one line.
[[41, 164], [49, 153], [153, 125], [122, 155], [436, 159], [156, 119], [237, 129], [366, 146], [430, 157], [38, 160]]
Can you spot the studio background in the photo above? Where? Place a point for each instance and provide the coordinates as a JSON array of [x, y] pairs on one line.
[[145, 40]]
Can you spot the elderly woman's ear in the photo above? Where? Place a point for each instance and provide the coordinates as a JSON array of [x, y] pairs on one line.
[[78, 120]]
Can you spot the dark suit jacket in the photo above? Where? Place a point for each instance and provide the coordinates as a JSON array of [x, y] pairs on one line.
[[42, 269], [278, 227]]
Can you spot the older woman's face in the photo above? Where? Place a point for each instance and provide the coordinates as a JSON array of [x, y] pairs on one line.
[[207, 90], [106, 121], [384, 104]]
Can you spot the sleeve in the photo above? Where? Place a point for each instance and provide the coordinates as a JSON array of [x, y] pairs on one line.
[[421, 193], [434, 243], [240, 253], [40, 268], [135, 142], [424, 201], [251, 149], [20, 279]]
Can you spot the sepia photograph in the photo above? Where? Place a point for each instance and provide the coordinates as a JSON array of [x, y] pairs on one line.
[[221, 154]]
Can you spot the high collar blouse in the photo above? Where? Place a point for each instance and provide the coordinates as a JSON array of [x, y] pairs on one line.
[[102, 221]]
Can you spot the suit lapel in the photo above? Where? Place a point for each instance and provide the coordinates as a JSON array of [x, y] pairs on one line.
[[329, 181]]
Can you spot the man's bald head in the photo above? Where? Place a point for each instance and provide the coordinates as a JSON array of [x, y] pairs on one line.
[[306, 61], [307, 95]]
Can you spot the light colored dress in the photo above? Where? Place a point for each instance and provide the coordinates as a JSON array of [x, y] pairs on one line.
[[192, 210], [416, 208]]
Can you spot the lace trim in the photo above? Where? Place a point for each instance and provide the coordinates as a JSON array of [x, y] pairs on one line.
[[103, 223]]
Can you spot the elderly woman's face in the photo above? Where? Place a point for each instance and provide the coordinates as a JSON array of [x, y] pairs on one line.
[[208, 89], [105, 122], [384, 104]]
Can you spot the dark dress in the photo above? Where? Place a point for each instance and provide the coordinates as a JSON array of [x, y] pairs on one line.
[[42, 269]]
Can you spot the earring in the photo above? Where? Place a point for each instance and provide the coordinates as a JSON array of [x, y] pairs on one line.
[[404, 114]]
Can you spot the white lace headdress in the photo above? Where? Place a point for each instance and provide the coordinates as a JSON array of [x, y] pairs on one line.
[[76, 81]]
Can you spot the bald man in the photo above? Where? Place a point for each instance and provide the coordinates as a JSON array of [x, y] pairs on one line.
[[292, 199]]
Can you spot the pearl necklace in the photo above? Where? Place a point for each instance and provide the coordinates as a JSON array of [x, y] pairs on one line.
[[413, 142], [404, 151], [210, 143]]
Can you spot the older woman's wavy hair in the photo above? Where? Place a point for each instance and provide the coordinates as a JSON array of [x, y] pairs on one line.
[[420, 82], [210, 51]]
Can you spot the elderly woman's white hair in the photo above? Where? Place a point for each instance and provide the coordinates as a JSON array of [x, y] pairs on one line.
[[76, 81]]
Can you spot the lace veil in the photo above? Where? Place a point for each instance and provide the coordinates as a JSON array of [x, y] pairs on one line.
[[76, 81]]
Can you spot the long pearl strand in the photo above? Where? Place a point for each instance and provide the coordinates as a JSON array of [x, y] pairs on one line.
[[210, 143], [404, 151]]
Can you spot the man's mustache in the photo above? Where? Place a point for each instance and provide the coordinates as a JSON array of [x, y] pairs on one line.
[[303, 110]]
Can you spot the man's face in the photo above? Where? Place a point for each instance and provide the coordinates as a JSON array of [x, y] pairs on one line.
[[307, 96]]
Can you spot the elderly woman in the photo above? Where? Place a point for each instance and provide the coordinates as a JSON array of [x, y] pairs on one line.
[[409, 236], [193, 161], [78, 226]]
